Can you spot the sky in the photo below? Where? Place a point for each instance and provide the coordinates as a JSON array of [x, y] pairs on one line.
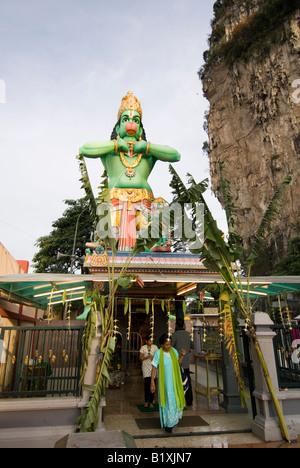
[[65, 66]]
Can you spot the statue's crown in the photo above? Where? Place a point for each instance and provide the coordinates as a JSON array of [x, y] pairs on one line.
[[130, 102]]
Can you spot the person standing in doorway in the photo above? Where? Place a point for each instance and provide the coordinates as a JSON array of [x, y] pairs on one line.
[[181, 339], [146, 355]]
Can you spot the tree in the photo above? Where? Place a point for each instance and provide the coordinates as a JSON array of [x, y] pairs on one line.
[[61, 239]]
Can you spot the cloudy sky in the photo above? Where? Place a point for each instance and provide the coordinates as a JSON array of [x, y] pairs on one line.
[[65, 66]]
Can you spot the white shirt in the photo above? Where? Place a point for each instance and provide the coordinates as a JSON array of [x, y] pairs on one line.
[[146, 364]]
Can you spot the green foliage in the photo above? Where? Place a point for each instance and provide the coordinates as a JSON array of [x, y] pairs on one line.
[[290, 265], [61, 239], [270, 215], [253, 37], [86, 185]]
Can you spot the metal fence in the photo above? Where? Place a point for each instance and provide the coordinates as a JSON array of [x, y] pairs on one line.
[[287, 355], [40, 361]]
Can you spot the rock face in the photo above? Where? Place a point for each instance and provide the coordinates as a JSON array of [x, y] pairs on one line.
[[254, 123]]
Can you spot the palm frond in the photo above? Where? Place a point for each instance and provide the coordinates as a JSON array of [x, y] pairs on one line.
[[227, 198], [234, 239], [86, 185], [268, 218], [229, 327], [183, 194]]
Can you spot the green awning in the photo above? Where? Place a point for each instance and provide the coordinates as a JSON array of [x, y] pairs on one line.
[[273, 285], [36, 290]]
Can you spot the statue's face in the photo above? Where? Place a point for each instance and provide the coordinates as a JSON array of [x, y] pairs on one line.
[[130, 124]]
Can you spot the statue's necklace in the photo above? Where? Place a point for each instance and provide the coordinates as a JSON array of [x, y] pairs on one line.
[[130, 172]]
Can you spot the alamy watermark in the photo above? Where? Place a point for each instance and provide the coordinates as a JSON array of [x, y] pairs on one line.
[[296, 93], [186, 222], [2, 92]]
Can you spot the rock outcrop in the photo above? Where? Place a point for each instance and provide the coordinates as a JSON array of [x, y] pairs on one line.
[[254, 116]]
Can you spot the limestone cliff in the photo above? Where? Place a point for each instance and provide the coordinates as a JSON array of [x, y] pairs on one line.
[[252, 82]]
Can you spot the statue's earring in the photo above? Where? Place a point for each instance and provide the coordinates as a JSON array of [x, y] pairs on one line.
[[118, 136]]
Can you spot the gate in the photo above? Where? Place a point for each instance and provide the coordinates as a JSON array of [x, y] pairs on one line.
[[40, 361], [132, 353], [287, 355]]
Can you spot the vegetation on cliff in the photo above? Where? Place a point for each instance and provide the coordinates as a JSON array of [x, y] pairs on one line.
[[253, 36], [290, 265]]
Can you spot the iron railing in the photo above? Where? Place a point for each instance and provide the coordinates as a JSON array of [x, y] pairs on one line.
[[40, 361], [287, 355]]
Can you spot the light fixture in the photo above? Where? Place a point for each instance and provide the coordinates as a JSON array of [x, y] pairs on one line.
[[256, 293], [59, 292], [189, 288], [67, 300]]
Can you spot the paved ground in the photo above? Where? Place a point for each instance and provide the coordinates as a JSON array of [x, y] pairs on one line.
[[223, 430]]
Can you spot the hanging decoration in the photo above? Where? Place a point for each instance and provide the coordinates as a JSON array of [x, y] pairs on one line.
[[280, 309], [115, 326], [50, 310], [287, 310], [147, 306], [169, 317], [152, 321], [128, 309], [68, 315], [192, 333]]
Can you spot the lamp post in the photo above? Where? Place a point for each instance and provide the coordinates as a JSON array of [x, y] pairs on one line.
[[72, 256]]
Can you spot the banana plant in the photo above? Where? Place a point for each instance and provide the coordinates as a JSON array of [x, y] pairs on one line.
[[224, 256]]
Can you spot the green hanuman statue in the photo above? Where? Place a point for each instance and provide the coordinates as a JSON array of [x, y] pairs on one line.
[[129, 159]]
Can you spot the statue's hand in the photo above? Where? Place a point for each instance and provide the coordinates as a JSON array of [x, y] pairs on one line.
[[122, 145], [140, 147]]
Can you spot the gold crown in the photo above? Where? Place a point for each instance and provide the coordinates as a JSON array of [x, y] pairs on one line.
[[130, 102]]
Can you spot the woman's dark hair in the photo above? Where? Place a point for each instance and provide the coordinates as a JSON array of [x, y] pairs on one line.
[[163, 338], [114, 132], [148, 337]]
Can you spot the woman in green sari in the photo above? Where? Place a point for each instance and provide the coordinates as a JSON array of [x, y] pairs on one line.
[[170, 389]]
